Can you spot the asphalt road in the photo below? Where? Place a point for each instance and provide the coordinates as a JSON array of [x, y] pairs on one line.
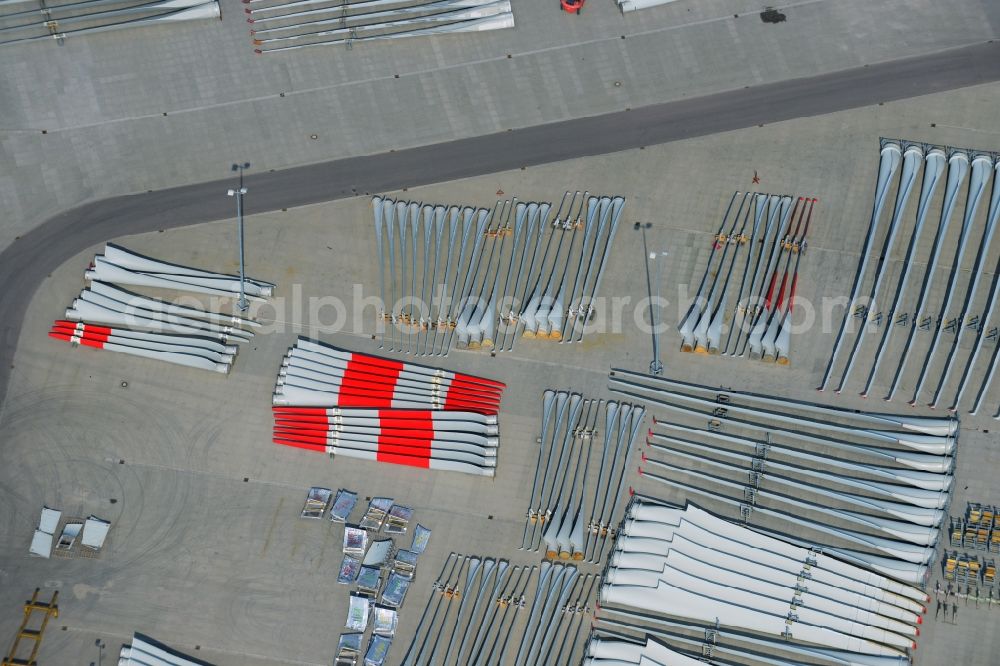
[[26, 262]]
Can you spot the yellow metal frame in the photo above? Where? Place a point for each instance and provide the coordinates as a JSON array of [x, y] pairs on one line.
[[49, 610]]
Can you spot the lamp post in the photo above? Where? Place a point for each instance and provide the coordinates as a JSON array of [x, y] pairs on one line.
[[99, 644], [242, 304], [655, 366]]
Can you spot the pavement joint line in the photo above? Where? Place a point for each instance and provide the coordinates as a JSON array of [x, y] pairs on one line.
[[432, 70], [127, 639], [367, 336], [283, 484], [967, 129], [23, 263]]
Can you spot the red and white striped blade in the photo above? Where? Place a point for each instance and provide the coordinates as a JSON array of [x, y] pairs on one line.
[[210, 342], [385, 392], [177, 358], [451, 428], [347, 413], [99, 335], [355, 375], [331, 365], [396, 458], [417, 444], [302, 396], [352, 375], [368, 359]]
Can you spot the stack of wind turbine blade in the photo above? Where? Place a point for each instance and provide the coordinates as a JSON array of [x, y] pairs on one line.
[[210, 347], [319, 375], [892, 495], [918, 488], [649, 524], [898, 436], [727, 645], [485, 592], [927, 308], [912, 158], [690, 563], [296, 24], [120, 266], [148, 345], [772, 230], [340, 402], [119, 256], [564, 489], [691, 318], [461, 431], [777, 340], [94, 306], [934, 164], [58, 21], [731, 245], [555, 584], [758, 244], [936, 436], [568, 409], [762, 336], [543, 297], [573, 633], [143, 651], [400, 455], [135, 301], [503, 268], [884, 512], [611, 208], [601, 651], [992, 218], [980, 173], [107, 317], [443, 421], [890, 156], [776, 238], [418, 314], [626, 6]]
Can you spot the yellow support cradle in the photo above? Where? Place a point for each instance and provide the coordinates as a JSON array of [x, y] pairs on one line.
[[48, 610]]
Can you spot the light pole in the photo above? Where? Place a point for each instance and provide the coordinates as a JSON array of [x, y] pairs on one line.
[[99, 644], [655, 366], [242, 304]]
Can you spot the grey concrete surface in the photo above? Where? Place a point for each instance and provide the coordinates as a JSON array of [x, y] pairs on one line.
[[199, 557], [36, 253], [159, 107]]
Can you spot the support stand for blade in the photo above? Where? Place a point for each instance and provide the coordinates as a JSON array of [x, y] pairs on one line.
[[48, 610]]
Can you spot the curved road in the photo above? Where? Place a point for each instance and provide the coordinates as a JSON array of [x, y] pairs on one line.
[[27, 261]]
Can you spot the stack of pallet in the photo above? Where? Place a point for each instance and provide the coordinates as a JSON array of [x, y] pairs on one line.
[[336, 401]]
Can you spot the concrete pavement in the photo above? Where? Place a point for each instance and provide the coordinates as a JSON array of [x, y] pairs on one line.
[[200, 557], [164, 106], [23, 264]]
